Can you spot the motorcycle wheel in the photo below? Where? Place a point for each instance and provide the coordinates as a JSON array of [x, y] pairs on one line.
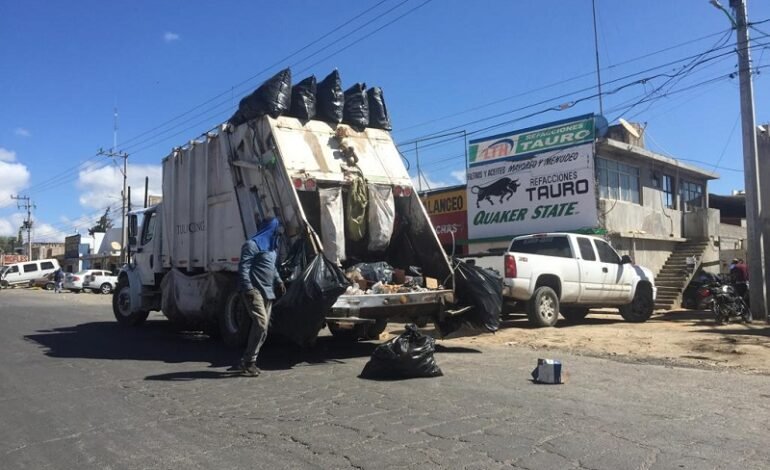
[[718, 317]]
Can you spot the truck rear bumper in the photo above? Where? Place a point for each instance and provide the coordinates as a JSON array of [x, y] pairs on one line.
[[408, 304], [516, 289]]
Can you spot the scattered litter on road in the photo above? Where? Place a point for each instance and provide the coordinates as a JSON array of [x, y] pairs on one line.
[[407, 356], [549, 371]]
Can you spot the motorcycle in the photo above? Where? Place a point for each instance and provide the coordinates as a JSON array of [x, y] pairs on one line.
[[726, 303]]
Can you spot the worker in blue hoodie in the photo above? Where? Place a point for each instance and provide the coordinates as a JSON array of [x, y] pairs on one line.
[[258, 279]]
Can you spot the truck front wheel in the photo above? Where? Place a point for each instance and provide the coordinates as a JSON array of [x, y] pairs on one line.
[[234, 321], [121, 306], [543, 308], [640, 309]]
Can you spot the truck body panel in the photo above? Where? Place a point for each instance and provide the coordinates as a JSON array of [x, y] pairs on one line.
[[217, 189]]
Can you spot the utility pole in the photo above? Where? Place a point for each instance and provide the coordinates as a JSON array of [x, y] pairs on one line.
[[598, 69], [113, 154], [758, 296], [754, 232], [25, 203]]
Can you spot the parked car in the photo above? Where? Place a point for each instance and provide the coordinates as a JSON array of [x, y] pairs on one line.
[[46, 282], [24, 273], [100, 281], [74, 282]]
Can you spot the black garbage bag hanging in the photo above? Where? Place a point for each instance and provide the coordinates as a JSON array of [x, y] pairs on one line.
[[299, 314], [378, 112], [330, 100], [273, 98], [483, 290], [303, 100], [407, 356], [356, 113]]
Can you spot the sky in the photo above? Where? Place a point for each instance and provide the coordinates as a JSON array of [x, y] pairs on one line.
[[450, 70]]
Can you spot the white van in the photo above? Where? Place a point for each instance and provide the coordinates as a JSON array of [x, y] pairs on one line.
[[24, 273]]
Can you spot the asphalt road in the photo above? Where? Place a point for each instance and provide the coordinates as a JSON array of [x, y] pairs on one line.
[[78, 391]]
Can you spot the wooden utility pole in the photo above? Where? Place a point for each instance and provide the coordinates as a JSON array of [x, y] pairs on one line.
[[123, 196], [27, 205]]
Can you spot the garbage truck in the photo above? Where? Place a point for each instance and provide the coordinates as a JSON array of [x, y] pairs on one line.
[[338, 192]]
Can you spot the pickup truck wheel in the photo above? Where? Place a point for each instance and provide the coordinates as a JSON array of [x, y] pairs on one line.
[[640, 309], [121, 306], [105, 288], [574, 314], [543, 308], [49, 286], [234, 321]]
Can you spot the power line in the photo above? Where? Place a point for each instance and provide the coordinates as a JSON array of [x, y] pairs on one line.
[[265, 70]]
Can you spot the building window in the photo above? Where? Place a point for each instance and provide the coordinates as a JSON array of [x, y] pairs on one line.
[[668, 191], [666, 185], [617, 180], [691, 195]]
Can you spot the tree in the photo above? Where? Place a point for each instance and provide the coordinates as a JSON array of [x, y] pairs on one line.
[[104, 223], [8, 244]]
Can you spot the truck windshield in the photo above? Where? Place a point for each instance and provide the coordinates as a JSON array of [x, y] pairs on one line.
[[549, 246]]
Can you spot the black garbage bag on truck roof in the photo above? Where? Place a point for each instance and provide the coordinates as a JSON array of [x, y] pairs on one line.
[[378, 112], [407, 356], [356, 111], [299, 314], [303, 101], [273, 97], [480, 288], [330, 100]]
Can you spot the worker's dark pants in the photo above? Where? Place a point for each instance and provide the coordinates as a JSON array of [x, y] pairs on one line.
[[259, 310]]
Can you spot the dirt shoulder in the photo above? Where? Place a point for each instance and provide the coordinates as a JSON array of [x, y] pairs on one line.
[[681, 337]]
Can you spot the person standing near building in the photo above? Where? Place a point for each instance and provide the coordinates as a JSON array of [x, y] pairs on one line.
[[258, 276], [58, 279]]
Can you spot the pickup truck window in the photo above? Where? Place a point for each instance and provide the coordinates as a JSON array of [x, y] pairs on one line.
[[586, 249], [549, 246], [606, 253]]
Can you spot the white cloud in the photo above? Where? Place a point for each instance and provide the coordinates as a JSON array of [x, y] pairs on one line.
[[15, 176], [459, 175], [7, 155], [22, 132], [427, 183], [101, 186], [168, 36]]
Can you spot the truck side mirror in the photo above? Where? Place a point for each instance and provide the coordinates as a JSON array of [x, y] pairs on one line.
[[625, 259]]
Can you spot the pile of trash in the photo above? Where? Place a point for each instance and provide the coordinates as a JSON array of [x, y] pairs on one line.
[[382, 278], [357, 106]]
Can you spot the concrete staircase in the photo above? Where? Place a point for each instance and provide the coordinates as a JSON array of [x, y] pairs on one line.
[[674, 275]]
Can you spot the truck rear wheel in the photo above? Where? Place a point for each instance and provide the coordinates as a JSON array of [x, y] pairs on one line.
[[234, 320], [640, 309], [121, 306], [543, 307], [574, 314]]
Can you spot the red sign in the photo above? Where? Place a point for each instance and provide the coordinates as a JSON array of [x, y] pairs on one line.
[[11, 259]]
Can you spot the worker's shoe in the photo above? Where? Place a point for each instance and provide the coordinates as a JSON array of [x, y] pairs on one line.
[[250, 370]]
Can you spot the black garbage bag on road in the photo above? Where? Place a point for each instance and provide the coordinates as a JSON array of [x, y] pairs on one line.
[[299, 314], [273, 97], [407, 356], [378, 112], [303, 101], [356, 111], [330, 100], [480, 288]]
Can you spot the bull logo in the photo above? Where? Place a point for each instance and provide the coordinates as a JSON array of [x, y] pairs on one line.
[[502, 187]]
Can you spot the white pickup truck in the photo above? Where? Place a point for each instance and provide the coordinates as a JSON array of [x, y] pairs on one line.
[[566, 273]]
